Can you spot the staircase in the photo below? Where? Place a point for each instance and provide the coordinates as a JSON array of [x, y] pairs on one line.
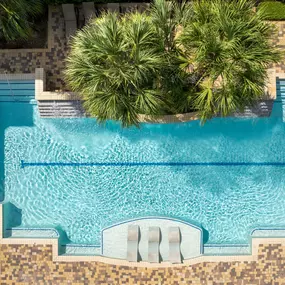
[[61, 109], [280, 95], [260, 109], [17, 91]]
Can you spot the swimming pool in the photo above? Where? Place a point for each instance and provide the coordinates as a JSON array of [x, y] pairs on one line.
[[172, 170]]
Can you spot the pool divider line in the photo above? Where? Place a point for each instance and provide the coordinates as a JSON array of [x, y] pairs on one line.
[[54, 242], [133, 164]]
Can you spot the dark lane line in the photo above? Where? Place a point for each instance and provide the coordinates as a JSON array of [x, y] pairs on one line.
[[130, 164]]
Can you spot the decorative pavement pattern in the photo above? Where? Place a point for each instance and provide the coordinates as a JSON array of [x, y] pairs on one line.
[[31, 264], [52, 58]]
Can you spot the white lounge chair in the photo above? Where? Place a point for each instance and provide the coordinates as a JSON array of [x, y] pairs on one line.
[[153, 244], [174, 245], [101, 8], [128, 7], [70, 19], [88, 10], [133, 243], [113, 7], [142, 7]]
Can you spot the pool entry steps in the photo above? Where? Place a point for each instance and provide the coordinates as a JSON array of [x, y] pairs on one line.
[[61, 109], [74, 109], [280, 96], [17, 91]]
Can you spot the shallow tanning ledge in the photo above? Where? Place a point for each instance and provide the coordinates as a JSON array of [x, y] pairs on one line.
[[115, 238]]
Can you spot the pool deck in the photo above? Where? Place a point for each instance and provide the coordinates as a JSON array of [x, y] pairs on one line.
[[33, 264]]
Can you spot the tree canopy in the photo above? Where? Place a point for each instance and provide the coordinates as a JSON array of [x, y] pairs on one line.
[[209, 56]]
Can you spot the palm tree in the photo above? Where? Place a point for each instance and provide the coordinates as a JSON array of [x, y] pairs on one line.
[[122, 67], [15, 17], [228, 46], [209, 56]]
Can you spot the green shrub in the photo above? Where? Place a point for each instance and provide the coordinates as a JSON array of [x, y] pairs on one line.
[[209, 56], [274, 10], [57, 2], [52, 2]]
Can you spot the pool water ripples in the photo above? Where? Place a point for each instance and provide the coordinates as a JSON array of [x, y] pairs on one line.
[[227, 201]]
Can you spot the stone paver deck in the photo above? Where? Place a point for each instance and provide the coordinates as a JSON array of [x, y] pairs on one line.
[[32, 264], [51, 58]]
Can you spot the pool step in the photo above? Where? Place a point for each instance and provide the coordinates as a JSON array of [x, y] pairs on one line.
[[79, 249], [222, 249], [9, 98], [61, 109], [280, 95], [17, 91], [261, 109], [74, 109]]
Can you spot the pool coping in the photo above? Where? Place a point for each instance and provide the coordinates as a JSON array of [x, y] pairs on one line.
[[17, 76], [56, 257]]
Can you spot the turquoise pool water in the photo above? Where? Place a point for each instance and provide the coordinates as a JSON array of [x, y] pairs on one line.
[[227, 201]]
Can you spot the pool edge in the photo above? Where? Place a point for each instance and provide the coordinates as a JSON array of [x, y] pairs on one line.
[[255, 242]]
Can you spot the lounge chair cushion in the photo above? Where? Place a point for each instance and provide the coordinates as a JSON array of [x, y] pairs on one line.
[[174, 245], [113, 7], [88, 10], [132, 243], [70, 28], [153, 244], [68, 12], [133, 233], [174, 234]]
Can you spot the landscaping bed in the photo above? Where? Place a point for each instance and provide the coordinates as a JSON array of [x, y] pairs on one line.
[[37, 40]]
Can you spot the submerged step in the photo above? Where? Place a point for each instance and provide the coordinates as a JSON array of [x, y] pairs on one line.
[[219, 249], [16, 98], [20, 93], [77, 249], [61, 109]]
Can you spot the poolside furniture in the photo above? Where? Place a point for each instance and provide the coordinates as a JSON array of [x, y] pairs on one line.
[[101, 8], [70, 19], [133, 243], [174, 245], [142, 7], [113, 7], [128, 7], [88, 10], [153, 244]]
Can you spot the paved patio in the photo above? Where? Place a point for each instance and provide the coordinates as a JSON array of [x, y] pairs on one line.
[[30, 264], [51, 58]]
